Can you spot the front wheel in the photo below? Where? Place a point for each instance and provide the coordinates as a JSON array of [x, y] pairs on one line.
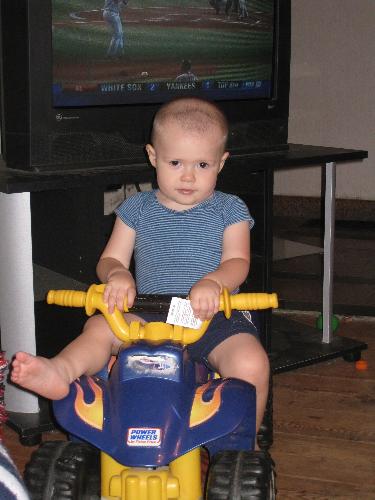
[[241, 475], [63, 470]]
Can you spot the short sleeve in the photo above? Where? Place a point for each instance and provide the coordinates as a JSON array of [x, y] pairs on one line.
[[130, 210], [236, 210]]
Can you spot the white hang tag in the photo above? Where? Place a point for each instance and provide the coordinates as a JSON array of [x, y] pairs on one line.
[[180, 313]]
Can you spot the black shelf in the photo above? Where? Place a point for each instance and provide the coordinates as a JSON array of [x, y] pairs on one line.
[[296, 155], [295, 345]]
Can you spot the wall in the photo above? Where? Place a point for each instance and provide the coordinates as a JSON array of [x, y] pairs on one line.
[[332, 92]]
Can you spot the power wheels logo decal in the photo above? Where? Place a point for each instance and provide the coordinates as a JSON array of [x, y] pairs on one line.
[[143, 436]]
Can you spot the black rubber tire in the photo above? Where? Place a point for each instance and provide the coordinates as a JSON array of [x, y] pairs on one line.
[[63, 470], [241, 475]]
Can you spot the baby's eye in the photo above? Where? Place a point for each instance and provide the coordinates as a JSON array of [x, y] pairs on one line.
[[203, 164], [174, 163]]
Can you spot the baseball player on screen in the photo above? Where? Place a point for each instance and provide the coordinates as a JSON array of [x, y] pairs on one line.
[[112, 16]]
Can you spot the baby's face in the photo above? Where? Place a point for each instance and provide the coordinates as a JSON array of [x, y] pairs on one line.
[[187, 165]]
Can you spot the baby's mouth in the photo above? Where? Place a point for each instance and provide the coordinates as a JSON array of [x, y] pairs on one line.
[[185, 191]]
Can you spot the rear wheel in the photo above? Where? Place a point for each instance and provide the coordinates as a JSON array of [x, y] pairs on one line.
[[63, 470], [241, 475]]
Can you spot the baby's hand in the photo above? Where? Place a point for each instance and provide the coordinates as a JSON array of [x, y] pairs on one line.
[[205, 298], [120, 289]]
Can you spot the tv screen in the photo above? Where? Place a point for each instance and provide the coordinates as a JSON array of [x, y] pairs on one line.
[[141, 51], [81, 80]]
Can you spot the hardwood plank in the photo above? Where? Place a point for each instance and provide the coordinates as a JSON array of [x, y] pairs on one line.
[[327, 424], [302, 406], [295, 488], [320, 467], [363, 401], [324, 383]]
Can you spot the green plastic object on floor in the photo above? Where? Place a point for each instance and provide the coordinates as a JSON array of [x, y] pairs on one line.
[[334, 321]]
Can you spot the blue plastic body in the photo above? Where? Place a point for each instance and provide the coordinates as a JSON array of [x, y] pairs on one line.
[[153, 408]]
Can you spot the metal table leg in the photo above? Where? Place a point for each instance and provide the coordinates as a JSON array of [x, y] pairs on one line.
[[329, 238]]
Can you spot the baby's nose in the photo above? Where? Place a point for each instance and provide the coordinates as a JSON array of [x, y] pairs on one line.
[[188, 174]]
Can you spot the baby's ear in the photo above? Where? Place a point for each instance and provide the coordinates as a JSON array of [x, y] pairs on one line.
[[151, 154], [223, 160]]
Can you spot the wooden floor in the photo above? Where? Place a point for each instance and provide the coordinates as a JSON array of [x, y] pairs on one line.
[[324, 421]]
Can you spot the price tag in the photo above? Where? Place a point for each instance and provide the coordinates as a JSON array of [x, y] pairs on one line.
[[180, 313]]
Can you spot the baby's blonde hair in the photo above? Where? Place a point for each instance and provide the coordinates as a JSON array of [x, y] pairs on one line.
[[191, 114]]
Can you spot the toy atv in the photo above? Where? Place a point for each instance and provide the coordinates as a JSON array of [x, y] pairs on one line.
[[138, 428]]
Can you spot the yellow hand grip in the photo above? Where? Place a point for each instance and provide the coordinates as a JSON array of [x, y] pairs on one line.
[[155, 332], [67, 298], [90, 300], [246, 301]]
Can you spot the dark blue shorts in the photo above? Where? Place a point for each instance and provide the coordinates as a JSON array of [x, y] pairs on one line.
[[219, 330]]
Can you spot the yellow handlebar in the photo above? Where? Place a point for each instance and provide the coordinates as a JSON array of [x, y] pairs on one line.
[[155, 331]]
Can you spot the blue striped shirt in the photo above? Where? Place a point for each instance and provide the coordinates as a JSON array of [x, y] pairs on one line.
[[173, 250]]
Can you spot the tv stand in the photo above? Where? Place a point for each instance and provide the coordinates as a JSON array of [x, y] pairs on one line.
[[258, 136], [33, 205]]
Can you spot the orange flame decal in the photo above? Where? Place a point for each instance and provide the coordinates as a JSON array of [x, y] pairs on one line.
[[111, 362], [90, 413], [204, 410]]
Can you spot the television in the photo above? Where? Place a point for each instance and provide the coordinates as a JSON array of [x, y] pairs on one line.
[[77, 94]]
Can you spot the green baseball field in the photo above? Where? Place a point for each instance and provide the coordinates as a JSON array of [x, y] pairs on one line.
[[158, 35]]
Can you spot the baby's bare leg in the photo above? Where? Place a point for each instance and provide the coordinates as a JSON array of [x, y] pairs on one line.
[[87, 354], [242, 356]]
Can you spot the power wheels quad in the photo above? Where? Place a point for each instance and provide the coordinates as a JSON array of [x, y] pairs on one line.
[[138, 427]]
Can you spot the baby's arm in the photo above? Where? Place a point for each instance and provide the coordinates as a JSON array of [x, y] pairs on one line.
[[231, 273], [113, 267]]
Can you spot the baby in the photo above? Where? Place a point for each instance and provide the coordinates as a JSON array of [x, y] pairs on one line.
[[187, 239]]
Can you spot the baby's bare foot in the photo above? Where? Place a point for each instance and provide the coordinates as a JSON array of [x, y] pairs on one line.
[[40, 375]]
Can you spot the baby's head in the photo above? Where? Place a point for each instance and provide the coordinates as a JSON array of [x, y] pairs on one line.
[[188, 151], [194, 116]]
